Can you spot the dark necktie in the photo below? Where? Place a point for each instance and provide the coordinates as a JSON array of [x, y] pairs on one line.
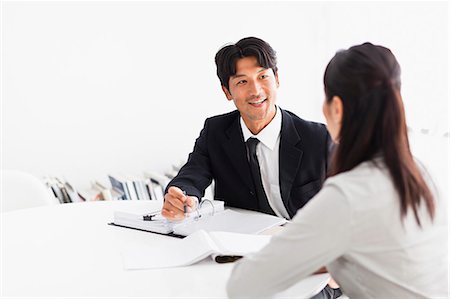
[[256, 175]]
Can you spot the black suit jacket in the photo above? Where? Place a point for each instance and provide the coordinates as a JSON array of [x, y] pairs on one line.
[[220, 154]]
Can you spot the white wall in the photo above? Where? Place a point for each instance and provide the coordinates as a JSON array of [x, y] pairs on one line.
[[90, 88]]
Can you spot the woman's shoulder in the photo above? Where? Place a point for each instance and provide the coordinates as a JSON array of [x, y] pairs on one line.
[[362, 171], [367, 178]]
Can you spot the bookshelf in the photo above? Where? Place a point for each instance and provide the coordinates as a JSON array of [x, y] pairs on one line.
[[149, 185]]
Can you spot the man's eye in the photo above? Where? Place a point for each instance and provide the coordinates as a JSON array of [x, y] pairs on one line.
[[241, 82], [264, 76]]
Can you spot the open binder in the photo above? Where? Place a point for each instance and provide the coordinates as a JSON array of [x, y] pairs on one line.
[[210, 216], [154, 222]]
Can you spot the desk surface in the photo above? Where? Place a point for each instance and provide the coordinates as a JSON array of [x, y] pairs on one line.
[[69, 250]]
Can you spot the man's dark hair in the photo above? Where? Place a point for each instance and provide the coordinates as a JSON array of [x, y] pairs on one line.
[[227, 57]]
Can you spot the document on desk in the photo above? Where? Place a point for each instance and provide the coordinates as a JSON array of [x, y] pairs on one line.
[[231, 221], [194, 248], [141, 219], [220, 220]]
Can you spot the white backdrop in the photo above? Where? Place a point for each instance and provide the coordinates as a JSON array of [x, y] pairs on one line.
[[90, 88]]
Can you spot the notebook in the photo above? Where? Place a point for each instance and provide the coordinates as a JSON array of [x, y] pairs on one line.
[[210, 217], [220, 246]]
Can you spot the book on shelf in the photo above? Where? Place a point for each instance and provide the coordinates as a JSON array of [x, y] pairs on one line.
[[222, 247], [103, 192], [157, 178], [140, 187], [150, 189], [210, 216], [157, 189], [140, 191], [118, 184], [62, 190], [132, 187], [72, 192], [117, 194]]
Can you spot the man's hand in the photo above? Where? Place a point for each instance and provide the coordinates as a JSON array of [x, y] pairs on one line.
[[174, 202]]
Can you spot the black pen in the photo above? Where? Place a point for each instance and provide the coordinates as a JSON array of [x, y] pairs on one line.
[[222, 259], [185, 204]]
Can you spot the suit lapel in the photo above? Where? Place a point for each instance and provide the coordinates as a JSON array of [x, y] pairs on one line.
[[237, 152], [290, 155]]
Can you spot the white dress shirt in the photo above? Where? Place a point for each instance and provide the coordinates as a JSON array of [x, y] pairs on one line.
[[353, 227], [267, 151]]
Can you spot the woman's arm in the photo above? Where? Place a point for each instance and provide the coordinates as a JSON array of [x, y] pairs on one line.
[[318, 234]]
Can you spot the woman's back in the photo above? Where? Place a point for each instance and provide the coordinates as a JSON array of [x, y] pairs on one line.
[[388, 256], [353, 226]]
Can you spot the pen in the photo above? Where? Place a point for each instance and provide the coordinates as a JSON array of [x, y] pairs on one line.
[[222, 259], [185, 204]]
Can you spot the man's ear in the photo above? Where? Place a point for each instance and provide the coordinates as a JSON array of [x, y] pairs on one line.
[[276, 79], [337, 109], [227, 93]]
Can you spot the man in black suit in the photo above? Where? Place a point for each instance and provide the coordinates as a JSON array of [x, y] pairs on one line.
[[220, 153], [261, 157], [291, 153]]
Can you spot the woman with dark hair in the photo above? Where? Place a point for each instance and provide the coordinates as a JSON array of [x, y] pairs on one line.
[[376, 224]]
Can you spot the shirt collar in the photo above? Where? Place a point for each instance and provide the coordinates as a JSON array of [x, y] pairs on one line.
[[269, 135]]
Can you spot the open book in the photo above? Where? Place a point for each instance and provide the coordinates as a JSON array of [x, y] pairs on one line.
[[221, 246], [210, 217]]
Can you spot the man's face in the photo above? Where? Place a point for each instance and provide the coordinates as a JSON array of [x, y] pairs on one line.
[[254, 91]]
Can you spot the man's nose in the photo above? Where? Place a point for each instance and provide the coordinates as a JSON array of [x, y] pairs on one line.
[[254, 88]]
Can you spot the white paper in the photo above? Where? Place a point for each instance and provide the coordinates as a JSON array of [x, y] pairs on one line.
[[231, 221], [238, 244], [196, 247]]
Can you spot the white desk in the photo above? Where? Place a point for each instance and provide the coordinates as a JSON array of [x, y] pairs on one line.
[[69, 250]]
